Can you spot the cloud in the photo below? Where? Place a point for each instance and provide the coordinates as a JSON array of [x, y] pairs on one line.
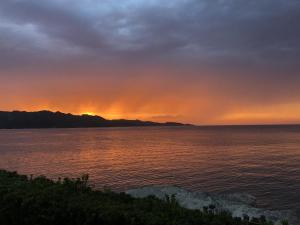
[[232, 53], [206, 31]]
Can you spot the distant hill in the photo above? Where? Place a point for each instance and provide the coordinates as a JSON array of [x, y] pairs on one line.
[[48, 119]]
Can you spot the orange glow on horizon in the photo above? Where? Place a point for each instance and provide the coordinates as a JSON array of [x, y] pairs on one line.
[[89, 113], [281, 114], [147, 97]]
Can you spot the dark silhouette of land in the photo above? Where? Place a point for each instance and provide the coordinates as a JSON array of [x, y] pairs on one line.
[[48, 119]]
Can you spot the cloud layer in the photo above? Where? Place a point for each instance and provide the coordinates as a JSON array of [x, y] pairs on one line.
[[235, 55]]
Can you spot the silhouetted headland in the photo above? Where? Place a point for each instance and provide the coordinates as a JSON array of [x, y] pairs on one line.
[[48, 119]]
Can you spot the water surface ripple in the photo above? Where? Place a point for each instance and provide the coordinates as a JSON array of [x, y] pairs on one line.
[[262, 161]]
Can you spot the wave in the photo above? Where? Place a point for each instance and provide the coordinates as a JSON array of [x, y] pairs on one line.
[[238, 204]]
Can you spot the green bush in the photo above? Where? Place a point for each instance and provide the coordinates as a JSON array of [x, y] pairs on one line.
[[40, 201]]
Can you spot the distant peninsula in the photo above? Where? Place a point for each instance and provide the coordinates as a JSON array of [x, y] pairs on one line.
[[48, 119]]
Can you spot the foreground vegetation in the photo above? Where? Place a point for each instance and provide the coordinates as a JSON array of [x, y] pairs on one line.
[[40, 201]]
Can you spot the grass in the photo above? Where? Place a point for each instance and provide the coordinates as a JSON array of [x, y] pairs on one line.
[[41, 201]]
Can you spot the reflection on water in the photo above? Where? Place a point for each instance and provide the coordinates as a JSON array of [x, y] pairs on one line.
[[263, 161]]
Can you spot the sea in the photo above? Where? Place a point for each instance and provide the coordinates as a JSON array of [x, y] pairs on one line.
[[263, 161]]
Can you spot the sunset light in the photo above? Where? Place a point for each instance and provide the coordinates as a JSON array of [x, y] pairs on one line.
[[142, 112], [142, 67], [89, 113]]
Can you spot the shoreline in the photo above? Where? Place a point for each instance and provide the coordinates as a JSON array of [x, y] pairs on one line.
[[238, 204], [39, 200]]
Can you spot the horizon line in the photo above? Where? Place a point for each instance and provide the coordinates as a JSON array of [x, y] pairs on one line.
[[184, 123]]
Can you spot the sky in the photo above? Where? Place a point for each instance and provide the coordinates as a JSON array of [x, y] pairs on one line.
[[194, 61]]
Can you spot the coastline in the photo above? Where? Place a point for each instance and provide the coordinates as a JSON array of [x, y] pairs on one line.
[[38, 200], [238, 204]]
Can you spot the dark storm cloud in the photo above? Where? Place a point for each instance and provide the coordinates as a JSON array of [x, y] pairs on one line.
[[218, 56], [54, 20], [207, 31]]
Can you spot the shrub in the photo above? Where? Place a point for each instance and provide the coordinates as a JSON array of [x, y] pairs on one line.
[[40, 201]]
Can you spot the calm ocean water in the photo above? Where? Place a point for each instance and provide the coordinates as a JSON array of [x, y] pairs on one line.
[[262, 161]]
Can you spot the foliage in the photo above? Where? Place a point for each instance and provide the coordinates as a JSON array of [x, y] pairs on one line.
[[284, 222], [40, 201]]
